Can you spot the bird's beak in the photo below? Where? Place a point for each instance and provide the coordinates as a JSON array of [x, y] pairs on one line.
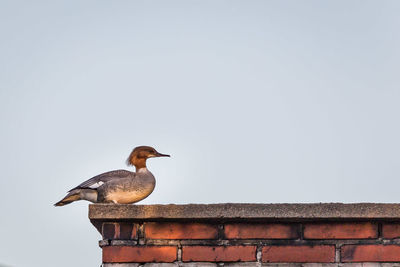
[[161, 155]]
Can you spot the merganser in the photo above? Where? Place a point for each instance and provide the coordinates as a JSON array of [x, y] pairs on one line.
[[119, 186]]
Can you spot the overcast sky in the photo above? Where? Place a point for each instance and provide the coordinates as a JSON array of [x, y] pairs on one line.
[[256, 101]]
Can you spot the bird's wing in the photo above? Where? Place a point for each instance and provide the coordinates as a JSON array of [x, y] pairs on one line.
[[99, 180]]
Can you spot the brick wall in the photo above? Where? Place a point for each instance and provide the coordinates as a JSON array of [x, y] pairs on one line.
[[249, 235]]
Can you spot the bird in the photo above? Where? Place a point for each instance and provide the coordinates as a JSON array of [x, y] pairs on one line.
[[119, 186]]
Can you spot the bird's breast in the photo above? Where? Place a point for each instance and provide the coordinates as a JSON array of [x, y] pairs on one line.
[[129, 191]]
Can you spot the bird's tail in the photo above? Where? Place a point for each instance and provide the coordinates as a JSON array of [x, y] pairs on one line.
[[69, 198], [78, 194]]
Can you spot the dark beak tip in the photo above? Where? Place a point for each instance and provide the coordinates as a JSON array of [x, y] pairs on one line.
[[163, 155]]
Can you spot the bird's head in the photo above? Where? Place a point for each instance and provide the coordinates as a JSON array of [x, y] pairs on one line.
[[140, 154]]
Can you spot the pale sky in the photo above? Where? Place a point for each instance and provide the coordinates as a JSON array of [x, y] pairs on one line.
[[256, 101]]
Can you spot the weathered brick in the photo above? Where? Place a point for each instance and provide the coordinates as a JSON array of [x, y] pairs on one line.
[[365, 264], [161, 265], [198, 264], [118, 242], [307, 265], [341, 230], [155, 230], [119, 231], [391, 230], [139, 254], [321, 253], [261, 231], [127, 231], [109, 230], [121, 265], [103, 243], [241, 264], [219, 253], [370, 253]]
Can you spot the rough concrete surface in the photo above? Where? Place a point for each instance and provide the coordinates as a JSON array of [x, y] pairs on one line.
[[231, 211]]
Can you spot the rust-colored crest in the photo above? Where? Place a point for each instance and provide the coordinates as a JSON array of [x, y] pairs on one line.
[[139, 155]]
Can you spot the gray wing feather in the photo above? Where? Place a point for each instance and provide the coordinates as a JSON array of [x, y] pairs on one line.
[[100, 179]]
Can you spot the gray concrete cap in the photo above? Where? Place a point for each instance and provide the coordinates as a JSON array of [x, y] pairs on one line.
[[246, 212]]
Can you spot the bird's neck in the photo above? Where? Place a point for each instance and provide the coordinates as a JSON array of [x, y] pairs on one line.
[[140, 163], [142, 170]]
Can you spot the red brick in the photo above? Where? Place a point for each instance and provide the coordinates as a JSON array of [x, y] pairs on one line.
[[261, 231], [180, 231], [108, 230], [127, 231], [219, 253], [139, 254], [391, 230], [370, 253], [341, 231], [119, 231], [323, 253]]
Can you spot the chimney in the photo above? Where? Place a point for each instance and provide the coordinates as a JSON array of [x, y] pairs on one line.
[[244, 235]]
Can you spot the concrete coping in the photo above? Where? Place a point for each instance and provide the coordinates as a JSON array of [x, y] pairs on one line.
[[245, 212]]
